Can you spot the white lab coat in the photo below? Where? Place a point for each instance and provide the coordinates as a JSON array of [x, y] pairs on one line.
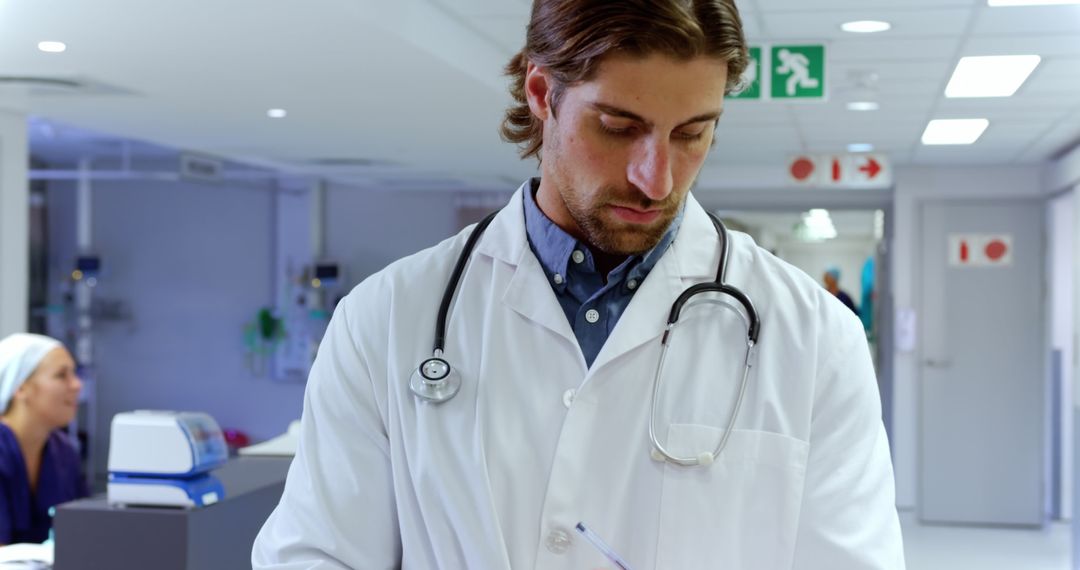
[[536, 442]]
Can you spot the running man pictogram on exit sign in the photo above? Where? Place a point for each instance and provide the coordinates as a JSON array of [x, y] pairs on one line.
[[797, 72]]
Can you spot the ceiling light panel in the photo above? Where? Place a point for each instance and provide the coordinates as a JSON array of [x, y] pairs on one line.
[[863, 106], [990, 76], [954, 131], [52, 47], [865, 26]]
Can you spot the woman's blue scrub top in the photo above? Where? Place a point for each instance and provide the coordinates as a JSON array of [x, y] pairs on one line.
[[24, 515]]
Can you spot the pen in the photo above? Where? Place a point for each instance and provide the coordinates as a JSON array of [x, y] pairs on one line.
[[602, 547]]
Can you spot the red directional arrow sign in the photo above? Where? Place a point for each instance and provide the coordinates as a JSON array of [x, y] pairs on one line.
[[871, 168], [839, 170]]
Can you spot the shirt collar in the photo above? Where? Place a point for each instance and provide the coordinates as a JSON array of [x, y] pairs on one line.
[[553, 246]]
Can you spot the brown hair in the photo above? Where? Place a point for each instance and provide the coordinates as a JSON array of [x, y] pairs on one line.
[[571, 37]]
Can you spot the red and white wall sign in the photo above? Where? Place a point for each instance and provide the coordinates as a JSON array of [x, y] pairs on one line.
[[980, 250], [841, 171]]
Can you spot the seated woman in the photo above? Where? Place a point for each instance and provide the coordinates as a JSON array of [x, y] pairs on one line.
[[39, 466]]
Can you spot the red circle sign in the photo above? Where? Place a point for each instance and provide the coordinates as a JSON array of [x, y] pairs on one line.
[[996, 249], [802, 168]]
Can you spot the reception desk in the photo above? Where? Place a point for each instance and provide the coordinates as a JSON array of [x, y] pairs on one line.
[[92, 535]]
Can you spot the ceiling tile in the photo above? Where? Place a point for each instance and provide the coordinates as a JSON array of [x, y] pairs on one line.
[[508, 31], [1012, 21], [890, 50], [776, 5], [1007, 108], [488, 8], [818, 23], [1055, 76], [1043, 44]]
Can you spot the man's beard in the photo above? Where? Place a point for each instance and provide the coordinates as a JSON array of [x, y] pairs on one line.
[[612, 236]]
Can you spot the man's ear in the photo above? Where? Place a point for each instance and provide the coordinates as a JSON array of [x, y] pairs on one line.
[[538, 91]]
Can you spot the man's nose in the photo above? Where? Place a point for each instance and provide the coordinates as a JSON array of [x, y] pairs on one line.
[[650, 169]]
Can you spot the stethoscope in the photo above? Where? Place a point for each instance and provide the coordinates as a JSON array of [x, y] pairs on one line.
[[435, 381]]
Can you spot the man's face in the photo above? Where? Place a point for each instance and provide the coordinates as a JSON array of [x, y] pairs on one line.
[[626, 146]]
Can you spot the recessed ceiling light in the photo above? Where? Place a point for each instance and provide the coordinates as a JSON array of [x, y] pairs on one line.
[[1000, 3], [52, 47], [954, 131], [990, 76], [865, 26], [276, 113], [860, 147], [863, 106]]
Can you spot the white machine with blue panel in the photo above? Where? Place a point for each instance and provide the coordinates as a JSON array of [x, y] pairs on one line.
[[161, 458]]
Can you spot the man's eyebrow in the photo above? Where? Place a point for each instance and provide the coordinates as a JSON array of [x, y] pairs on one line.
[[617, 112]]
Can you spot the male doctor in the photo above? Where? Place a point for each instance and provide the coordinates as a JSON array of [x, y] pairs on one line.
[[555, 329]]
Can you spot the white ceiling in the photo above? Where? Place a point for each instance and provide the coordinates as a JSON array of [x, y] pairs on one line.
[[415, 86]]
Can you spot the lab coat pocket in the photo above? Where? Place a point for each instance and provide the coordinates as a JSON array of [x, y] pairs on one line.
[[741, 511]]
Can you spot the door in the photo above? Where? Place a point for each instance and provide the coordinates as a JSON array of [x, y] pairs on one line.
[[983, 388]]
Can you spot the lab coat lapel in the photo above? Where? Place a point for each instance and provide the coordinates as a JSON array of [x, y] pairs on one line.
[[528, 293], [690, 259]]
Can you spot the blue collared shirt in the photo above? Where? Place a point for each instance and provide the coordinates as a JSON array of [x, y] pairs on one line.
[[591, 305]]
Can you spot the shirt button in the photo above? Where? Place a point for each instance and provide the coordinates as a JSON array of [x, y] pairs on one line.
[[557, 279], [568, 397], [558, 541], [577, 256], [592, 315], [632, 284]]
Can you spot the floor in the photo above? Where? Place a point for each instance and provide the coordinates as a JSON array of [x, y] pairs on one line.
[[963, 548]]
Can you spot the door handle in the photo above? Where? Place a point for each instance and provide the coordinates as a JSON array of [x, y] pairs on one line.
[[937, 362]]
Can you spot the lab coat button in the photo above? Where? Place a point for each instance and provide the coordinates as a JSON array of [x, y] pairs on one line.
[[592, 315], [568, 397], [656, 455], [558, 541]]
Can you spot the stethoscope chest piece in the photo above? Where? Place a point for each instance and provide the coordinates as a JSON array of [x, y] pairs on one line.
[[435, 381]]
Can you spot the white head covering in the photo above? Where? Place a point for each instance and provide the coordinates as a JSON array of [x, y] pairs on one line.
[[20, 354]]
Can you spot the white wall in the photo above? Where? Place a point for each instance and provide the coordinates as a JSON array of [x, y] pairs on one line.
[[367, 230], [914, 186], [14, 225], [1062, 266]]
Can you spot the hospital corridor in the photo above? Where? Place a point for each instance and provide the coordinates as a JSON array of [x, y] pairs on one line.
[[540, 284]]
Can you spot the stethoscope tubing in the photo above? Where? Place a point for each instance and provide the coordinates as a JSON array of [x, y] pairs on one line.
[[455, 278]]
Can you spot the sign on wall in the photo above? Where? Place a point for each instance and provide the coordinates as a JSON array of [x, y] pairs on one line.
[[751, 77], [980, 250], [797, 72], [788, 73], [841, 171]]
